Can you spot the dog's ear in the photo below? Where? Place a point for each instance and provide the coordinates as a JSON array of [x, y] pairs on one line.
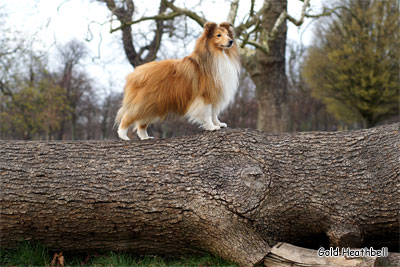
[[228, 27], [209, 29]]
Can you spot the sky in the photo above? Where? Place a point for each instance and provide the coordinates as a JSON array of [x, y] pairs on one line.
[[55, 22]]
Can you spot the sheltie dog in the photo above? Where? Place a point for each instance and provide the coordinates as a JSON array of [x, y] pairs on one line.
[[198, 86]]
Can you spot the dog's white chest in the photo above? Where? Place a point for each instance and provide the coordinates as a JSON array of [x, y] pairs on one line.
[[227, 76]]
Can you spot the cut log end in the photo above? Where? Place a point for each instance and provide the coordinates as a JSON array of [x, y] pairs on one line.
[[345, 236], [287, 255]]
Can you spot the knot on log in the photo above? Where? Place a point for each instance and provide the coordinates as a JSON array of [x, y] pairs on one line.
[[254, 178]]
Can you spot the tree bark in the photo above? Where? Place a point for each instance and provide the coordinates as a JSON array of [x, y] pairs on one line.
[[269, 74], [235, 192]]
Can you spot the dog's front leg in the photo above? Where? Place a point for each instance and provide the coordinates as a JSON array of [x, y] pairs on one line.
[[208, 119], [201, 113], [216, 121]]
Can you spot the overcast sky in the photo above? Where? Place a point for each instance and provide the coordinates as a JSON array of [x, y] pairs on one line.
[[55, 22]]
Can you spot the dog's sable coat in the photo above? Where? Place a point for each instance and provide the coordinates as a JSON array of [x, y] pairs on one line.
[[198, 86]]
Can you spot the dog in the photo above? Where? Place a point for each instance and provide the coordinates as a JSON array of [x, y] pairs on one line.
[[198, 87]]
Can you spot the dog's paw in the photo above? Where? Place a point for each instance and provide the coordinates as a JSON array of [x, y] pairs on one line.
[[146, 138], [223, 125], [212, 128], [123, 134]]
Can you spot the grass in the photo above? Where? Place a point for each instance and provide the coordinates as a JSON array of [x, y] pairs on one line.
[[34, 254], [27, 254]]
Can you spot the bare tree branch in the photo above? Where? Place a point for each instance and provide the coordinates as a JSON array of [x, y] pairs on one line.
[[233, 11], [254, 19], [251, 13], [281, 19], [263, 47], [275, 29], [328, 12], [258, 37], [300, 21], [200, 20], [246, 35], [168, 16], [124, 14], [155, 43]]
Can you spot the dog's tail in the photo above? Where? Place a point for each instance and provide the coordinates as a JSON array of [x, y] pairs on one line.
[[119, 116]]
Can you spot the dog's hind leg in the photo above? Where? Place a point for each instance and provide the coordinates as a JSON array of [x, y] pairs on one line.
[[126, 121], [142, 131]]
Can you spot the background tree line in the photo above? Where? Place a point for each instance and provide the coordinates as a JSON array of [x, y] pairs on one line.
[[348, 78], [38, 103]]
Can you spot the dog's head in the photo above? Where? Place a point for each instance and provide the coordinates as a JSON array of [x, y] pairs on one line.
[[221, 36]]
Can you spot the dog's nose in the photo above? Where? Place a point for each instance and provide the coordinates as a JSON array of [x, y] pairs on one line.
[[230, 42]]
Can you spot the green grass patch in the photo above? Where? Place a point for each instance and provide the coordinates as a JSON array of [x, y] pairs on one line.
[[27, 254], [34, 254]]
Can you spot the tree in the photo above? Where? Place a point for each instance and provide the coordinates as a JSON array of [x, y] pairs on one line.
[[32, 103], [12, 47], [235, 193], [35, 110], [75, 83], [306, 113], [354, 65], [108, 108], [263, 40], [38, 103]]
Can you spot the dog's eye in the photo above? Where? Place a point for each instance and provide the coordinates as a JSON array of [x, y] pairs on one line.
[[219, 35]]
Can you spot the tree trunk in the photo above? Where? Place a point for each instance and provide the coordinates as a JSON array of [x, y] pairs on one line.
[[234, 192], [269, 75]]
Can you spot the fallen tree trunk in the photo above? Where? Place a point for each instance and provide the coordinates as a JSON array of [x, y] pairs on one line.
[[234, 193]]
